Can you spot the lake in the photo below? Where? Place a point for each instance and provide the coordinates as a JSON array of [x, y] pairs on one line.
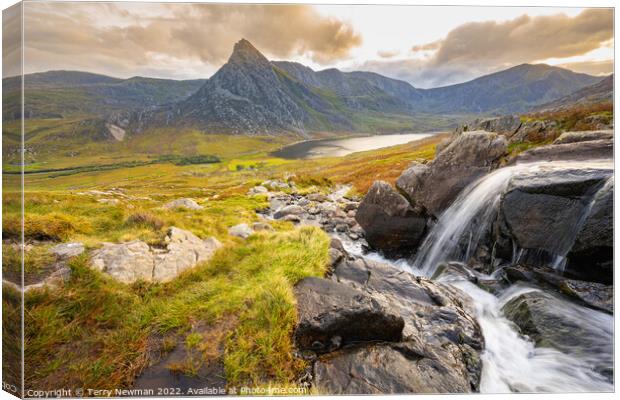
[[342, 147]]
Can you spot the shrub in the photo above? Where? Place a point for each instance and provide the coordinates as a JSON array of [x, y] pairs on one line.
[[144, 219]]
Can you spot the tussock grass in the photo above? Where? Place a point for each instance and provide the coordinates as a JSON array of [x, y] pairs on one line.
[[144, 219]]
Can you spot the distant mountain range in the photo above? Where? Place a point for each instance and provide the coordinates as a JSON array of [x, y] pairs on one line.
[[61, 93], [253, 95]]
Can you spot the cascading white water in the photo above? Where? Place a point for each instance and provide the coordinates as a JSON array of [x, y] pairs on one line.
[[471, 214], [512, 362]]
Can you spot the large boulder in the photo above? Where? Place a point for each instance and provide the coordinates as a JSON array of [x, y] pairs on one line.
[[542, 211], [469, 156], [134, 261], [592, 294], [332, 315], [552, 322], [436, 351], [390, 223], [592, 255]]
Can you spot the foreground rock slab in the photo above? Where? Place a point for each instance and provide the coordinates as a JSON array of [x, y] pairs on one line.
[[438, 350]]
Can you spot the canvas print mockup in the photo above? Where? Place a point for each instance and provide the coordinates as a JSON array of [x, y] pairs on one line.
[[293, 199]]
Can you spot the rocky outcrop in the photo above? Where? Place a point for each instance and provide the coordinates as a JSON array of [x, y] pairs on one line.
[[572, 151], [542, 212], [552, 322], [469, 156], [188, 204], [514, 128], [133, 261], [390, 223], [125, 262], [584, 136], [506, 125], [377, 329], [183, 250]]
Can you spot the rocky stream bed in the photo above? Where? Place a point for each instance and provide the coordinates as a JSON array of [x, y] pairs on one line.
[[500, 281]]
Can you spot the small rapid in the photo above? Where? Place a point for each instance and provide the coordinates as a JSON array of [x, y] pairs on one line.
[[512, 362]]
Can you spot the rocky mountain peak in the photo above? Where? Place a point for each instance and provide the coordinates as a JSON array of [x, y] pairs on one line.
[[244, 52]]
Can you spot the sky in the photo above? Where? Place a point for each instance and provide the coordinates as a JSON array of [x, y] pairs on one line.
[[428, 46]]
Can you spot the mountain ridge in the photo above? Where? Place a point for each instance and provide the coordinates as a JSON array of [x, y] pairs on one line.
[[250, 94]]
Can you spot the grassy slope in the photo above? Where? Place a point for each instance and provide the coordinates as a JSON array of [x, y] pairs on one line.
[[98, 333], [95, 332]]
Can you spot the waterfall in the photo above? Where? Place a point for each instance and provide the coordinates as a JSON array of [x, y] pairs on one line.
[[471, 215]]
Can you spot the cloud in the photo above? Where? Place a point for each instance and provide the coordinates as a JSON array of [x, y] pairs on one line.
[[478, 48], [602, 67], [11, 41], [175, 39], [426, 47], [388, 53], [525, 39]]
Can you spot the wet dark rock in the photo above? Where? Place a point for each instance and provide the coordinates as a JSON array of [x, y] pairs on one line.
[[454, 269], [552, 322], [591, 294], [440, 344], [591, 257], [331, 314], [594, 294], [541, 212], [390, 224]]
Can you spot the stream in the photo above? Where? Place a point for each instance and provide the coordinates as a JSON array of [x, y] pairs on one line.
[[511, 362]]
